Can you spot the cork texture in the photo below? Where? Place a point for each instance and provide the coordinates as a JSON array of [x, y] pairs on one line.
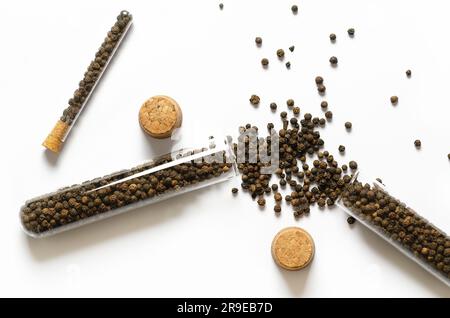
[[54, 140], [293, 248], [159, 116]]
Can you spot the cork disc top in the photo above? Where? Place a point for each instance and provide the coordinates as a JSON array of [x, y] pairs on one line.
[[159, 116], [293, 248]]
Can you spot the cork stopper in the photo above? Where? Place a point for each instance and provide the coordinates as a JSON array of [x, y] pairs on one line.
[[159, 116], [293, 248], [54, 140]]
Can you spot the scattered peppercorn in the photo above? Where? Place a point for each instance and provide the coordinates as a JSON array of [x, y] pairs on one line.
[[288, 65], [353, 165], [408, 73], [351, 220], [234, 190], [258, 41], [261, 202], [321, 89], [280, 53], [417, 143], [264, 62], [296, 110], [294, 9], [332, 37], [324, 104], [348, 125], [292, 48], [351, 32], [329, 115], [221, 6], [290, 103], [319, 80], [341, 148], [254, 100], [273, 106], [379, 180], [283, 114], [394, 100], [333, 60], [277, 208]]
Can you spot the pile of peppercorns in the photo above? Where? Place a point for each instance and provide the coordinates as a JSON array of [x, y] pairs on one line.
[[113, 192], [95, 69], [396, 221], [322, 183]]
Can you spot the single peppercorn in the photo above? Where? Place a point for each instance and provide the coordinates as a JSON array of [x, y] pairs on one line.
[[296, 110], [351, 32], [273, 106], [261, 202], [351, 220], [319, 80], [290, 103], [274, 187], [348, 125], [408, 73], [379, 180], [264, 62], [353, 165], [254, 100], [333, 60], [234, 190], [280, 53], [341, 148], [288, 65], [258, 41], [332, 37], [283, 114], [277, 208], [394, 100], [417, 143], [278, 197], [294, 9], [448, 156], [324, 104], [221, 6], [329, 115], [321, 89], [292, 48]]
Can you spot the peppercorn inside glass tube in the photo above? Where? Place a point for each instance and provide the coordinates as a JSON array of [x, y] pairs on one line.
[[372, 205], [159, 179], [90, 80]]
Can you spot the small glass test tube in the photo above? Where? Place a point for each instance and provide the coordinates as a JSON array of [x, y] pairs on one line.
[[92, 76]]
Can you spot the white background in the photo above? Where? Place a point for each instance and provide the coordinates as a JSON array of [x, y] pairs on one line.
[[208, 243]]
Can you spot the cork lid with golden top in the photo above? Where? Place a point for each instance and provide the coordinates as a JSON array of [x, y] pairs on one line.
[[159, 116], [293, 248]]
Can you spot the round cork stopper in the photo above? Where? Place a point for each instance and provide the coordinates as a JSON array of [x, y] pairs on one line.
[[293, 248], [159, 116], [54, 140]]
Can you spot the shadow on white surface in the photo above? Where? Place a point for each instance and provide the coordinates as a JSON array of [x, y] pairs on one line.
[[295, 280], [125, 224], [411, 270]]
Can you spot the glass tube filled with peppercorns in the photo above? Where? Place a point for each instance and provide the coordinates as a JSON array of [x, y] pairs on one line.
[[159, 179], [417, 238], [86, 86]]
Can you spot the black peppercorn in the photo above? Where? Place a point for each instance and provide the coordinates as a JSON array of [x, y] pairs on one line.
[[258, 41], [329, 115], [348, 125], [341, 148], [324, 104], [280, 53], [351, 220], [273, 106], [221, 6], [290, 103], [332, 37], [277, 208], [321, 88], [417, 143], [408, 73], [351, 32], [319, 80], [234, 190], [288, 65], [394, 100], [283, 114], [264, 62], [254, 100], [294, 9], [291, 48], [296, 110], [333, 60], [353, 165]]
